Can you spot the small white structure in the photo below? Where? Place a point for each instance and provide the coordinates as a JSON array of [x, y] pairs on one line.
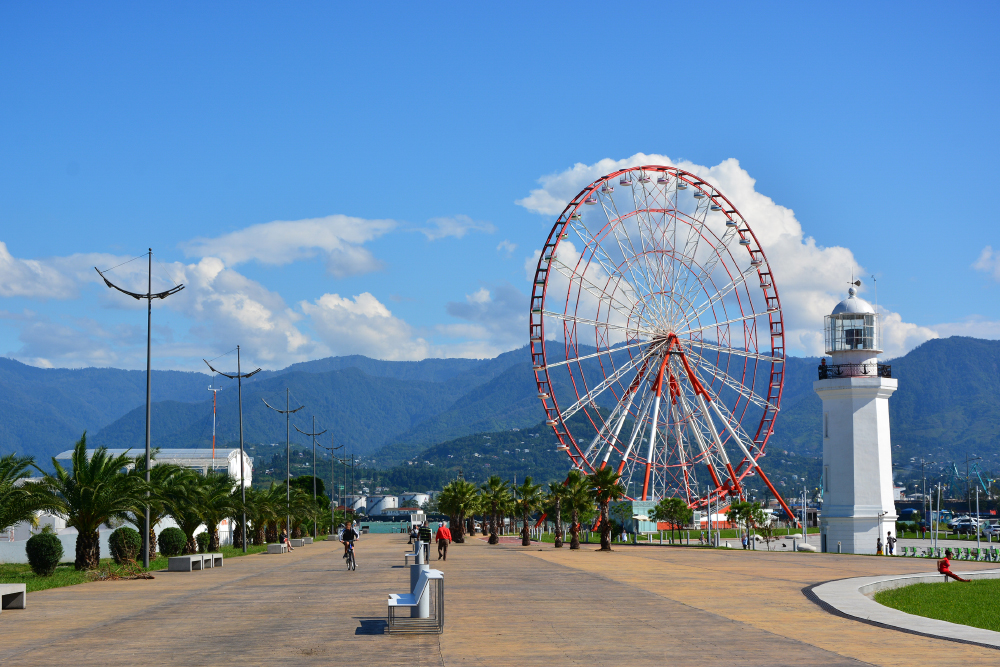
[[202, 460], [357, 503], [379, 504], [858, 503]]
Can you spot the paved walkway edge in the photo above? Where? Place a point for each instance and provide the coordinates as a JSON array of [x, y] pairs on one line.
[[849, 597]]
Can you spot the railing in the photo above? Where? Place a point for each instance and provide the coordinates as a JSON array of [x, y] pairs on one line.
[[829, 371]]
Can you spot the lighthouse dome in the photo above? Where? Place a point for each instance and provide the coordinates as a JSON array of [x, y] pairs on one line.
[[852, 304]]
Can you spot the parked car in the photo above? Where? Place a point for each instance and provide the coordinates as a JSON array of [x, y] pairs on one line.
[[965, 526], [989, 528]]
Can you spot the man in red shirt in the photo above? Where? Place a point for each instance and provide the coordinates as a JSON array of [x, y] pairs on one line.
[[443, 537], [944, 567]]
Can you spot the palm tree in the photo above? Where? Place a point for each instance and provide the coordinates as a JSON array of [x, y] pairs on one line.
[[554, 500], [183, 495], [496, 496], [528, 500], [216, 504], [18, 501], [578, 500], [159, 475], [605, 488], [458, 500], [93, 493]]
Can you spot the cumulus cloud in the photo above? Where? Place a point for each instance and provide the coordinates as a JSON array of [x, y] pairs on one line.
[[363, 325], [988, 263], [497, 317], [338, 238], [457, 226], [52, 278], [810, 278], [506, 247]]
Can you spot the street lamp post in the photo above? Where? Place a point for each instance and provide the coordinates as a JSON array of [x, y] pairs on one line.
[[239, 383], [313, 435], [333, 481], [148, 296], [288, 463]]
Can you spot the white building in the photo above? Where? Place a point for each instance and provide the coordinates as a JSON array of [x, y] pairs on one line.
[[202, 460], [858, 503], [379, 504]]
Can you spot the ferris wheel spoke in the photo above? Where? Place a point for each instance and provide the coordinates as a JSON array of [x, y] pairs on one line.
[[607, 352], [728, 418], [723, 292], [597, 324], [705, 272], [739, 352], [738, 387], [623, 410], [643, 256], [608, 381], [713, 325], [623, 309]]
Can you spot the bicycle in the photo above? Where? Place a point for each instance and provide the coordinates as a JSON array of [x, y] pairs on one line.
[[351, 563]]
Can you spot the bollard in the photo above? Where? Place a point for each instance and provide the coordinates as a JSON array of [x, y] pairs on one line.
[[661, 538], [838, 547]]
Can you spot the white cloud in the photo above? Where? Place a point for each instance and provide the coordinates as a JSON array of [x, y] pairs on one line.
[[457, 226], [52, 278], [497, 318], [988, 263], [811, 279], [506, 247], [363, 325], [975, 326], [338, 238]]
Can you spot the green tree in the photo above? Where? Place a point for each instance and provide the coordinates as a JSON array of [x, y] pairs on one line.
[[554, 505], [579, 501], [458, 499], [215, 504], [673, 511], [605, 488], [159, 475], [747, 516], [183, 494], [18, 501], [529, 499], [96, 491], [496, 495]]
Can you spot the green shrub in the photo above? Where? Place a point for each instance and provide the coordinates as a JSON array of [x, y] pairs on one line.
[[202, 540], [125, 544], [44, 553], [172, 541]]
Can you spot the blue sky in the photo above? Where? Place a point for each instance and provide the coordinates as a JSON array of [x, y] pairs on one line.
[[408, 134]]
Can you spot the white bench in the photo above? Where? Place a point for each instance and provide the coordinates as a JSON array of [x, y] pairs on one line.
[[435, 622], [307, 540], [13, 596], [212, 560], [297, 542], [185, 563], [416, 552], [277, 548]]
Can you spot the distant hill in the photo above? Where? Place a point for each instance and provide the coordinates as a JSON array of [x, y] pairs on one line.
[[389, 413]]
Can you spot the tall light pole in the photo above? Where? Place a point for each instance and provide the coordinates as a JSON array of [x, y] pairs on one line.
[[288, 464], [333, 480], [239, 383], [313, 435], [215, 393], [148, 296]]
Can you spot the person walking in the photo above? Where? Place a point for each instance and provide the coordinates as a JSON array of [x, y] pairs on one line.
[[890, 542], [878, 546], [944, 567], [425, 537], [443, 537]]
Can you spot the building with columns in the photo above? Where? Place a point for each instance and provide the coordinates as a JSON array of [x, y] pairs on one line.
[[855, 388]]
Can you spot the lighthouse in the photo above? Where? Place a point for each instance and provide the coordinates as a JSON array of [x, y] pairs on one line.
[[855, 388]]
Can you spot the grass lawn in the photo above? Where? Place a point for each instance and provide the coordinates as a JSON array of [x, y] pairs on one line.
[[975, 603], [67, 575]]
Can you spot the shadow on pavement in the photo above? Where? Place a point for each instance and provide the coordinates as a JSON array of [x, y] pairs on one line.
[[372, 626]]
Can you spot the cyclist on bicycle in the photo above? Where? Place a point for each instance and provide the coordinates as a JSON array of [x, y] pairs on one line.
[[348, 537]]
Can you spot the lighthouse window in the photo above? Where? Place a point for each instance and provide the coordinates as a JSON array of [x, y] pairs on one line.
[[826, 479], [854, 339], [826, 424]]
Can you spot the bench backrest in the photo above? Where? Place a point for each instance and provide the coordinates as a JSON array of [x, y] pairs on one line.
[[425, 576]]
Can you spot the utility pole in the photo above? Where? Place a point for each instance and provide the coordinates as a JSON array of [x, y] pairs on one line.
[[148, 296], [239, 383], [288, 464], [313, 435], [214, 396]]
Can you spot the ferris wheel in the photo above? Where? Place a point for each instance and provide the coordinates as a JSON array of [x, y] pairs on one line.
[[657, 338]]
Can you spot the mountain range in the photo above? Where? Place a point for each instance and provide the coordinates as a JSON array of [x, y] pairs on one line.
[[398, 413]]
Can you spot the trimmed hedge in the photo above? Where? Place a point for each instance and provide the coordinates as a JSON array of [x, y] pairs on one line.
[[202, 540], [172, 541], [44, 553], [125, 544]]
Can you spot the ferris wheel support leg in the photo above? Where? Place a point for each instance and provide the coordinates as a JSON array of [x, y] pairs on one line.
[[777, 495]]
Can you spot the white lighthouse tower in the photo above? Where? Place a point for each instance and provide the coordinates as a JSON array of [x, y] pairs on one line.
[[857, 455]]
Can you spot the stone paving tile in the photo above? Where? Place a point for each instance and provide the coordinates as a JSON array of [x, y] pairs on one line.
[[506, 605]]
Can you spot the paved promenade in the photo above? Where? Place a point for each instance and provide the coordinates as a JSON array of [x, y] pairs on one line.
[[506, 605]]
